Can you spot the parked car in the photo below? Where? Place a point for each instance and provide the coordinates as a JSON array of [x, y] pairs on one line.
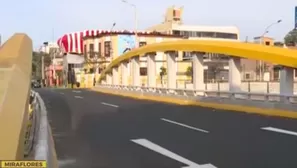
[[35, 84]]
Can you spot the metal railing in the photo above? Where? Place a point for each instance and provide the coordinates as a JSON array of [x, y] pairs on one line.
[[193, 94]]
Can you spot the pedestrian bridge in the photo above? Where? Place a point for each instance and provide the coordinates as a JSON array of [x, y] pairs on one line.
[[16, 63]]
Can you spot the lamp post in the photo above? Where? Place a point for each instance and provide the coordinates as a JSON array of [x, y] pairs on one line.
[[135, 20], [54, 66], [262, 42], [45, 44]]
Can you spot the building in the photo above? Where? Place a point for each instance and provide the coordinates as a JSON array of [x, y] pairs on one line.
[[103, 47], [216, 65], [53, 71]]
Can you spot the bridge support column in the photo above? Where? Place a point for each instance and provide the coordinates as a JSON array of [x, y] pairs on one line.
[[151, 70], [108, 79], [115, 76], [234, 74], [125, 75], [198, 70], [171, 69], [135, 71], [286, 81]]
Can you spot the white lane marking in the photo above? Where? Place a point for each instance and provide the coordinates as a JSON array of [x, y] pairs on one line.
[[184, 125], [279, 130], [112, 105], [78, 97], [76, 91], [66, 163], [159, 149], [62, 93]]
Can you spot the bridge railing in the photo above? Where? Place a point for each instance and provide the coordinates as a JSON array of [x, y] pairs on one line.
[[265, 101]]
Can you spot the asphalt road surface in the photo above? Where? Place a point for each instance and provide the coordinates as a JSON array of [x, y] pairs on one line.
[[95, 130]]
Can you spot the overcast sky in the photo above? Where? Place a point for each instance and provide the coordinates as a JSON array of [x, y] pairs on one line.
[[47, 20]]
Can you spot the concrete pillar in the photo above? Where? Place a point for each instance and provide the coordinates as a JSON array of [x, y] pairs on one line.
[[198, 71], [125, 75], [108, 79], [286, 81], [234, 74], [171, 69], [135, 71], [115, 76], [151, 70]]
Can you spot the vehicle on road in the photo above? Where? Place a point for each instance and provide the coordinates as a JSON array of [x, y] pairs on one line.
[[35, 84]]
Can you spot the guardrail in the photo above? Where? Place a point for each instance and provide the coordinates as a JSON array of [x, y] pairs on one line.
[[45, 148], [269, 101], [31, 125]]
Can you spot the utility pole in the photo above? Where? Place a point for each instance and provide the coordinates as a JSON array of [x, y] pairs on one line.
[[54, 65], [135, 22]]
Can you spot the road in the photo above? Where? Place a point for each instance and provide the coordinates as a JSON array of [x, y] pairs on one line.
[[95, 130]]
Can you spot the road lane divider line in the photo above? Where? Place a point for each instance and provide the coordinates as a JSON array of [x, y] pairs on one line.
[[62, 93], [78, 97], [165, 152], [184, 125], [278, 130], [76, 91], [108, 104]]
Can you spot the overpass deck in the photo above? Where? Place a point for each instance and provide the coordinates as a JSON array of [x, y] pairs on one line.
[[99, 130]]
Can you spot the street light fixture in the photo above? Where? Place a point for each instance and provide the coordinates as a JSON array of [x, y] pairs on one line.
[[135, 20], [262, 41], [45, 44]]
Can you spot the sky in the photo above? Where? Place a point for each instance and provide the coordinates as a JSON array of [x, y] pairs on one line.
[[47, 20]]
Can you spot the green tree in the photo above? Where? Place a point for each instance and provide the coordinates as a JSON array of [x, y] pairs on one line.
[[189, 72], [291, 37], [163, 72], [36, 63]]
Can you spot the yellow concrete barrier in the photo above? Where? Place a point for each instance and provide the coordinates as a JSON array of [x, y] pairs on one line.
[[15, 77]]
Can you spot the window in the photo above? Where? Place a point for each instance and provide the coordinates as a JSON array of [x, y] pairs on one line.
[[185, 33], [143, 71], [226, 35], [91, 48], [187, 55], [207, 34], [176, 32], [142, 44], [107, 48], [85, 51], [267, 43], [99, 49], [247, 76]]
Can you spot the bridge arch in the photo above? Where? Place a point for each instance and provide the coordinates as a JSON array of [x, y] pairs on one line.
[[277, 55]]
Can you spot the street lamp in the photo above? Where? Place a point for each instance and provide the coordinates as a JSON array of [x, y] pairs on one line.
[[135, 20], [45, 44], [262, 41]]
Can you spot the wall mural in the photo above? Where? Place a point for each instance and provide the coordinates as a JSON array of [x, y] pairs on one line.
[[125, 43]]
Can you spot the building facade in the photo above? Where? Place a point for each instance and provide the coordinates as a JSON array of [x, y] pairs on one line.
[[216, 65], [101, 49]]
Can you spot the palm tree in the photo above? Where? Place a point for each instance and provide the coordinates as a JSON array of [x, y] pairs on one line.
[[163, 72], [189, 73]]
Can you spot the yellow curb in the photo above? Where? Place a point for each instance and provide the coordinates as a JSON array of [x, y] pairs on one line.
[[234, 108]]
